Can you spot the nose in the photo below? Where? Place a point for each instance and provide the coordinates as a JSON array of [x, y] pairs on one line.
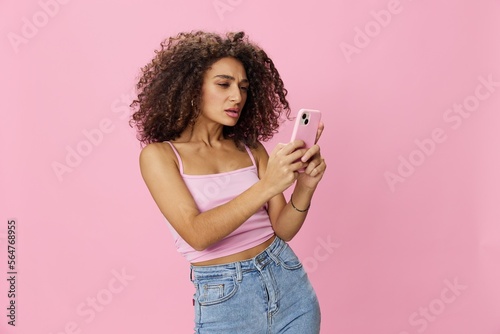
[[235, 96]]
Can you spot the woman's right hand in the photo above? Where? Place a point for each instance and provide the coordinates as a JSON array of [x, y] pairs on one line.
[[282, 166]]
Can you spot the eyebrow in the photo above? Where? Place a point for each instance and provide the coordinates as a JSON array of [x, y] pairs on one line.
[[228, 77]]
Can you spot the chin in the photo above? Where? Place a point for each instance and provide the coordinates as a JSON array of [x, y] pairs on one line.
[[231, 122]]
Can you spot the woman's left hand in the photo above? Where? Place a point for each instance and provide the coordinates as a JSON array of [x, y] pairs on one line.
[[316, 164]]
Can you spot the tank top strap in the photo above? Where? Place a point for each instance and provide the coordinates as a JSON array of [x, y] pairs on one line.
[[181, 167], [251, 156]]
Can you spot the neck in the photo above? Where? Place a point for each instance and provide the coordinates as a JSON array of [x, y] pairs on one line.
[[209, 133]]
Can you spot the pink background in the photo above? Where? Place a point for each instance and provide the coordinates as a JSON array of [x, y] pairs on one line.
[[418, 254]]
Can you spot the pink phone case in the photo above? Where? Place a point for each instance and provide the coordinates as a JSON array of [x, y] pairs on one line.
[[306, 127]]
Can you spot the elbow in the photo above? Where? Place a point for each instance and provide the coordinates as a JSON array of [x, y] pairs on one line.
[[198, 245], [286, 237], [194, 238]]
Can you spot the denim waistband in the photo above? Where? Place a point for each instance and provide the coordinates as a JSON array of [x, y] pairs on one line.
[[268, 255]]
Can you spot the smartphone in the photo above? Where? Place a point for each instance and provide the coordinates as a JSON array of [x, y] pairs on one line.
[[306, 127]]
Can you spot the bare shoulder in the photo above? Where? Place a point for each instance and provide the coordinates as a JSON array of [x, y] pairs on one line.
[[161, 174], [259, 152], [157, 154], [261, 158]]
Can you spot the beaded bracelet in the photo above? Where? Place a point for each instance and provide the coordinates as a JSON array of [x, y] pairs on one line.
[[293, 206]]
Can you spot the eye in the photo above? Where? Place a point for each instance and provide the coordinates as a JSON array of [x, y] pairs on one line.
[[223, 84], [244, 88]]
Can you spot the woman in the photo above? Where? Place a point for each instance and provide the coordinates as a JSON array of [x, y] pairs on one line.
[[204, 103]]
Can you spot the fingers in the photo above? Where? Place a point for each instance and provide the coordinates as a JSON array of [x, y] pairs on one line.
[[290, 152], [316, 164], [321, 127], [277, 148], [315, 150], [293, 153], [315, 167], [292, 146], [297, 165]]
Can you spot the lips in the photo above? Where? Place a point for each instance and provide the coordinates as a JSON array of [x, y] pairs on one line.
[[232, 112]]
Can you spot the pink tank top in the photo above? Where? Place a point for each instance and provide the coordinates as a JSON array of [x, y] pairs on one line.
[[212, 190]]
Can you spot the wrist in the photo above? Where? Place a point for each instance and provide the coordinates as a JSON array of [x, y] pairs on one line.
[[264, 190], [301, 197], [304, 189]]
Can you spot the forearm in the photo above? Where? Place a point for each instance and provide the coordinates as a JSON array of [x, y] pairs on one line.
[[290, 219], [213, 225]]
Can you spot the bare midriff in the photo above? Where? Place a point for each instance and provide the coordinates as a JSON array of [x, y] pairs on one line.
[[241, 256]]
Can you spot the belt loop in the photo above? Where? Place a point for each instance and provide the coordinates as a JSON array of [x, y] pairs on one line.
[[239, 275], [191, 273], [274, 257], [276, 250]]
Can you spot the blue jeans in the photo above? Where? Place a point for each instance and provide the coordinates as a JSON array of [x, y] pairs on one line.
[[268, 294]]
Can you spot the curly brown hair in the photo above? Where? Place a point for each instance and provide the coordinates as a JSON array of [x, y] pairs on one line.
[[169, 90]]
